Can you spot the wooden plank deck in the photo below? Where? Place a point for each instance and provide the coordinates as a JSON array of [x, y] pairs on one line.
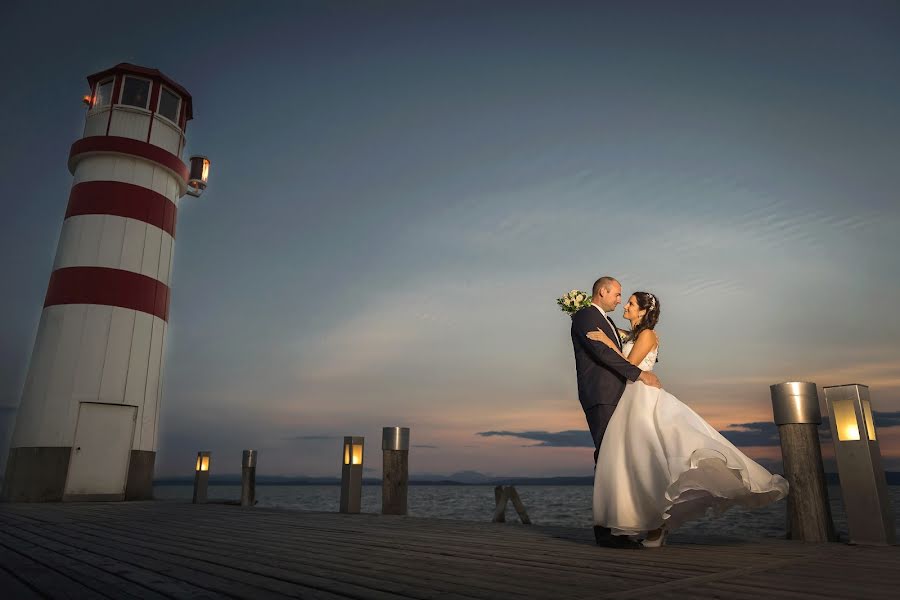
[[179, 550]]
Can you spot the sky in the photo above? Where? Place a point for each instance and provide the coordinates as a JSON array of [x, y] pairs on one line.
[[399, 192]]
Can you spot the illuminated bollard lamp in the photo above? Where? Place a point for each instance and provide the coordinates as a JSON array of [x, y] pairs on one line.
[[351, 474], [201, 477], [395, 472], [248, 478], [795, 407], [870, 517]]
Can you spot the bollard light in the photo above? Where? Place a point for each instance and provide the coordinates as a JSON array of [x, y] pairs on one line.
[[202, 461], [248, 478], [201, 477], [795, 407], [395, 471], [351, 474], [870, 517]]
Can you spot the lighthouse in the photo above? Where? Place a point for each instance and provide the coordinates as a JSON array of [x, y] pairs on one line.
[[86, 427]]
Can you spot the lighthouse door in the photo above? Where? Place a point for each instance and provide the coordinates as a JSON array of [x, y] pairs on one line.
[[98, 466]]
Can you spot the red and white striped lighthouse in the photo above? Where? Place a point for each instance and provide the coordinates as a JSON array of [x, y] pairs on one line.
[[86, 427]]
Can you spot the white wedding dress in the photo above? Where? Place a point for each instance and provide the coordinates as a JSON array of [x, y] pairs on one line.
[[661, 463]]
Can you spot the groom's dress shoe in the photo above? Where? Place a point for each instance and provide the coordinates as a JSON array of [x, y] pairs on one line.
[[604, 537], [624, 543]]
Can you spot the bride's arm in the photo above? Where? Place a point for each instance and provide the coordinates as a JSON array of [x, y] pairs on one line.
[[582, 324], [644, 343], [600, 336]]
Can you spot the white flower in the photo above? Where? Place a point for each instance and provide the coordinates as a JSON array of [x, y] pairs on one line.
[[566, 301], [573, 293], [579, 298]]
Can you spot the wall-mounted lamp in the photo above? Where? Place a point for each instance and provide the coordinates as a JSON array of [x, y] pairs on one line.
[[199, 175]]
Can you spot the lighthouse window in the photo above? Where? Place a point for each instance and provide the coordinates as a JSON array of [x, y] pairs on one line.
[[168, 104], [103, 95], [136, 92]]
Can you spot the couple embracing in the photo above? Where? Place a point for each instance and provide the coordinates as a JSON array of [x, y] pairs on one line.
[[658, 463]]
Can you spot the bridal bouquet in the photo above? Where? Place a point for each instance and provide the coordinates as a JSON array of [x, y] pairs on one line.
[[574, 301]]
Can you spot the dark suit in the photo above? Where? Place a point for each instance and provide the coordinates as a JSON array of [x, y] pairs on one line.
[[601, 372]]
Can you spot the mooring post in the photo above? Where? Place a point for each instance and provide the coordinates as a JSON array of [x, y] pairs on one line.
[[395, 473], [503, 494], [248, 478], [501, 497], [519, 506], [795, 406]]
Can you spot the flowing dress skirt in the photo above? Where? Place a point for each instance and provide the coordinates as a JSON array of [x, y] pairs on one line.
[[661, 463]]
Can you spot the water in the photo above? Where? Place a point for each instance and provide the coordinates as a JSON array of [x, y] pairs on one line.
[[568, 506]]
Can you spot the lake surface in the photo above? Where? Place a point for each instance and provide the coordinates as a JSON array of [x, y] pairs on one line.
[[568, 506]]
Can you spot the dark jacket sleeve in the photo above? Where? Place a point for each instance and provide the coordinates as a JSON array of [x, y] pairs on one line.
[[600, 351]]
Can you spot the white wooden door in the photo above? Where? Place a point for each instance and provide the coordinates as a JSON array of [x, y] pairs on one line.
[[98, 466]]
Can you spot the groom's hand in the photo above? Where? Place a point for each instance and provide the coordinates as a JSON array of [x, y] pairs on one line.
[[650, 379]]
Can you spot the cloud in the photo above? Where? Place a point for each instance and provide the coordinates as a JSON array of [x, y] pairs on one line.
[[753, 434], [758, 433], [572, 438], [308, 438], [764, 433], [886, 419], [424, 446]]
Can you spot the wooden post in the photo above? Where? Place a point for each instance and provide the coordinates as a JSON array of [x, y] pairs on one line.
[[395, 472], [501, 497], [796, 410], [248, 478], [498, 494], [520, 508]]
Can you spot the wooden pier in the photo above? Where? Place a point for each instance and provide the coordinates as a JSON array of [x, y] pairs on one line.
[[179, 550]]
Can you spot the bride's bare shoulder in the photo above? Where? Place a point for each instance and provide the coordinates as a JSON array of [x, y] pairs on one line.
[[648, 335]]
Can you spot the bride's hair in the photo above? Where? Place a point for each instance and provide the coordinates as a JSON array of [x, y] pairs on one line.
[[650, 303]]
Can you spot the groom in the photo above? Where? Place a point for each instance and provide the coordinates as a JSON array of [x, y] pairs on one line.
[[602, 374]]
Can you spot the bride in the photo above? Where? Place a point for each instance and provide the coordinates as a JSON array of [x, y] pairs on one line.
[[660, 463]]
